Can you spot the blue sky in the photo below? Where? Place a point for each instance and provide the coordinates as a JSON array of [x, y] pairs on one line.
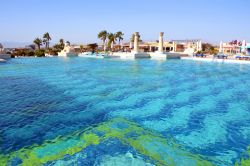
[[79, 21]]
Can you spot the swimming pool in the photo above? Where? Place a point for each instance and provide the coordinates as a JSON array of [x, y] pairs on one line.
[[78, 111]]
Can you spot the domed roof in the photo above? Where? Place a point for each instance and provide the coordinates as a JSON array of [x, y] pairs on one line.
[[1, 46]]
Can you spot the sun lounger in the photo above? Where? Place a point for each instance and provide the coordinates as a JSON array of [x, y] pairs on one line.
[[221, 56], [242, 57], [238, 57], [247, 57], [200, 55]]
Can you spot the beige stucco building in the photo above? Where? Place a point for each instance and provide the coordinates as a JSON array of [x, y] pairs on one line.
[[185, 46]]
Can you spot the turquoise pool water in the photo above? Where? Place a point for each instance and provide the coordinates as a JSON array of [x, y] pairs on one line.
[[79, 111]]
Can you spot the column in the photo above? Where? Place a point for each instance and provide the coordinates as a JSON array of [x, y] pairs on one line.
[[200, 45], [197, 46], [174, 47], [136, 42], [160, 49], [105, 46], [221, 47]]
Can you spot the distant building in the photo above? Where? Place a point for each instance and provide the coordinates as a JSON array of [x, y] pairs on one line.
[[246, 48], [235, 47], [148, 46], [3, 55], [185, 46]]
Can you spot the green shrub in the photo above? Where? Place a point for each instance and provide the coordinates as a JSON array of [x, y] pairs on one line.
[[40, 53], [30, 53]]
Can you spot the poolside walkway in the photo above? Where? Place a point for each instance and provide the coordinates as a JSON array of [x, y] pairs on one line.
[[211, 59]]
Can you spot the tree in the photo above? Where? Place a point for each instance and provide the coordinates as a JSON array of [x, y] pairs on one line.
[[208, 48], [38, 42], [112, 39], [103, 36], [119, 36], [61, 42], [59, 46], [46, 39], [133, 38], [68, 43], [31, 46], [81, 47], [92, 47], [40, 53]]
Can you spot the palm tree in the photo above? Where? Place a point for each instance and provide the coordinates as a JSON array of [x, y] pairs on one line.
[[103, 36], [133, 38], [38, 42], [60, 45], [45, 43], [61, 42], [119, 36], [112, 39], [46, 39]]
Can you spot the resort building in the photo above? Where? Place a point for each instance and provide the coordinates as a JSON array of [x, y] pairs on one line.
[[235, 47], [246, 48], [187, 46], [3, 55], [149, 46], [68, 51], [181, 46]]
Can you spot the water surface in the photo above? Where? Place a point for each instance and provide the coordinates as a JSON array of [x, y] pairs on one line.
[[160, 112]]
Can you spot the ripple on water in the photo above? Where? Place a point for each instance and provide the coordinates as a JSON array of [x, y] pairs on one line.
[[203, 106]]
